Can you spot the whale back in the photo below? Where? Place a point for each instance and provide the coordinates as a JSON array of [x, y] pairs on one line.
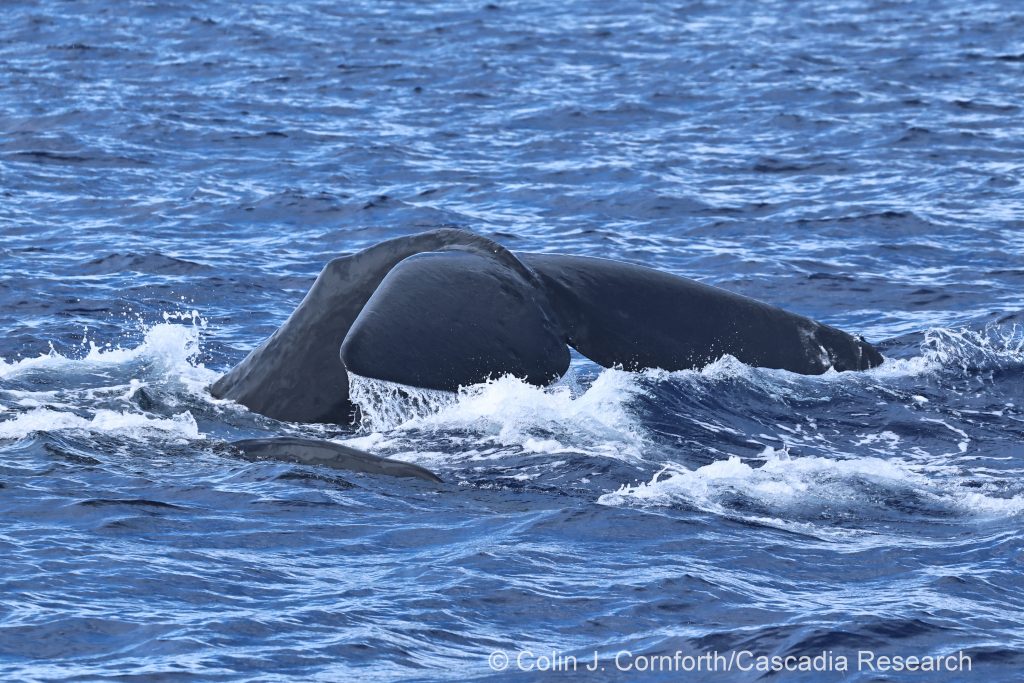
[[328, 454]]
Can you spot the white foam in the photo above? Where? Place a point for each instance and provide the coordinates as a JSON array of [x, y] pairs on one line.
[[511, 412], [982, 505], [942, 348], [965, 440], [881, 442], [960, 348], [182, 425], [172, 348], [784, 482], [167, 353]]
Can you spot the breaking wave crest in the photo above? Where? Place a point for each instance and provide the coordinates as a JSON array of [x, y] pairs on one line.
[[815, 489], [962, 350], [100, 392], [182, 426], [171, 349]]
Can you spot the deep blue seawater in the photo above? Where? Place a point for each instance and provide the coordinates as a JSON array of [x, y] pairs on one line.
[[174, 174]]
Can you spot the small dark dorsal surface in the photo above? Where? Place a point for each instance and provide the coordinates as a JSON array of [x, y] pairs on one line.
[[329, 454]]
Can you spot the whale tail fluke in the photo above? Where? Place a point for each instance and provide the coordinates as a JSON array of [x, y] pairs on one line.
[[450, 308]]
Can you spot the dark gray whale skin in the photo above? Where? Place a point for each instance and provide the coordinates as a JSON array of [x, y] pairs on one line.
[[623, 314], [449, 308], [297, 375], [444, 319], [329, 454]]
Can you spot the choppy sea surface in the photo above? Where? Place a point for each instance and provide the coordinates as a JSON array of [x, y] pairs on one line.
[[174, 174]]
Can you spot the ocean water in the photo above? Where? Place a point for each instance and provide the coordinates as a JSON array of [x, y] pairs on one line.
[[174, 174]]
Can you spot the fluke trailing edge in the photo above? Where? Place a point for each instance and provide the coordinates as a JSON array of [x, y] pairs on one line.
[[448, 308]]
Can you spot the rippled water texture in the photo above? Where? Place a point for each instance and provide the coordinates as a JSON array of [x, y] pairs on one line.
[[175, 174]]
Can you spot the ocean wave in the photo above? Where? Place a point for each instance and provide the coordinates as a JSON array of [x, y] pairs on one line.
[[105, 390], [814, 489], [961, 350], [168, 352], [181, 426]]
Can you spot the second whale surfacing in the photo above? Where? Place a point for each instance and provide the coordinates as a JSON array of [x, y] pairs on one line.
[[450, 308], [331, 455]]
